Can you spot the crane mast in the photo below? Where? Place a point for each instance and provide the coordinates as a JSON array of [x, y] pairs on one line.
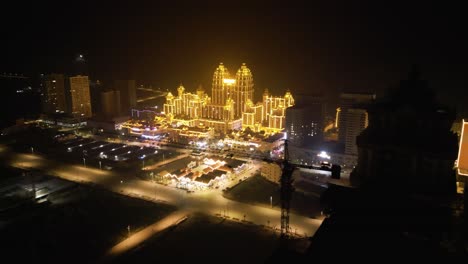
[[286, 191]]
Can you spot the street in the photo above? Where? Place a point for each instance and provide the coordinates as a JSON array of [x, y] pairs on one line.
[[210, 202]]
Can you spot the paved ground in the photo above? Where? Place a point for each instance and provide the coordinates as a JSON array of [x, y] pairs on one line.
[[210, 202], [138, 238]]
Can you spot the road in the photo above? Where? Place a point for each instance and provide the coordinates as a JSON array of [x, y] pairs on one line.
[[136, 239], [210, 201]]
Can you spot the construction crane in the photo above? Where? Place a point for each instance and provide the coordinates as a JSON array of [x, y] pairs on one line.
[[286, 188], [286, 191]]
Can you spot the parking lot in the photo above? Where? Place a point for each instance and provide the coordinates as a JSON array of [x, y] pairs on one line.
[[106, 155]]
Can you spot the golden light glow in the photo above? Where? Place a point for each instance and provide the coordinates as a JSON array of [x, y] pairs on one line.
[[462, 161], [229, 81]]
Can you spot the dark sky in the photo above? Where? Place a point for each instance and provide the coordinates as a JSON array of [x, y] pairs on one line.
[[304, 47]]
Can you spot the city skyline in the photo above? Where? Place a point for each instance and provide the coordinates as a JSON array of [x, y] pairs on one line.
[[256, 132], [329, 54]]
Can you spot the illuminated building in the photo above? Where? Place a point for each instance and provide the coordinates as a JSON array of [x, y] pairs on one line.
[[347, 118], [356, 121], [54, 94], [304, 121], [271, 171], [127, 91], [186, 105], [231, 106], [80, 97], [462, 161], [243, 90], [274, 110], [221, 88]]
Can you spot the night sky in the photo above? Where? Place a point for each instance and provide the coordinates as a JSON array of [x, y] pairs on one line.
[[305, 48]]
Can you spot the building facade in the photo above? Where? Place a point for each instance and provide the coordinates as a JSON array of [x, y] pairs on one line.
[[80, 96], [127, 89], [357, 121], [110, 103], [243, 91], [231, 105], [54, 94], [304, 121], [346, 117]]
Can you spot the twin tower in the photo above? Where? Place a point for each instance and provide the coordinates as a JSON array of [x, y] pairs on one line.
[[235, 91]]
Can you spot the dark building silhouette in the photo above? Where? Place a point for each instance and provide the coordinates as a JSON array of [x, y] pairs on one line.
[[95, 89], [408, 143], [304, 121], [401, 202], [19, 98], [55, 90], [127, 89], [80, 65], [110, 103]]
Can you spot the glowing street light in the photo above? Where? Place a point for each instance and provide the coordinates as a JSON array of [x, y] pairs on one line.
[[271, 201]]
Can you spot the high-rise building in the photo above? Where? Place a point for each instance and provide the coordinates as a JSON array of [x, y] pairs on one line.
[[243, 90], [222, 85], [304, 121], [95, 90], [357, 121], [110, 103], [127, 90], [350, 101], [54, 93], [231, 106], [80, 96]]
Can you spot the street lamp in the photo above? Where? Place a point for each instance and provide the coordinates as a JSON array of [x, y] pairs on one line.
[[271, 201], [84, 162]]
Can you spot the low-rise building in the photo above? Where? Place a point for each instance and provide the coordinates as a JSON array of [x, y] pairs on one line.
[[271, 171]]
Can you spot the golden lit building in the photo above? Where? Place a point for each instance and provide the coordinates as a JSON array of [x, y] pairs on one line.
[[231, 105], [462, 160], [243, 90], [186, 105], [222, 85], [80, 97], [270, 113]]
